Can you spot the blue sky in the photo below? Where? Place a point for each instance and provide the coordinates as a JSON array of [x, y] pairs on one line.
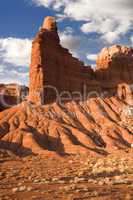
[[84, 26]]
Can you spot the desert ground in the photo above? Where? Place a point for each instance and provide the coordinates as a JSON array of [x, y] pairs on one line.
[[73, 177]]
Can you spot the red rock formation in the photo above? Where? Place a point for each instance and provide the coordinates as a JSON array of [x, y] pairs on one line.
[[117, 57], [49, 24], [115, 71], [116, 64], [54, 70], [95, 125], [11, 95]]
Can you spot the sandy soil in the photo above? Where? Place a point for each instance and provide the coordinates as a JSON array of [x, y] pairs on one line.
[[66, 177]]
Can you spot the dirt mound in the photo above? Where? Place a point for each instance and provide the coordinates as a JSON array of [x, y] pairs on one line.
[[93, 126]]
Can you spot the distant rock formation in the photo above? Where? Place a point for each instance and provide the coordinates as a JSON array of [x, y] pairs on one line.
[[11, 95], [117, 63], [115, 71]]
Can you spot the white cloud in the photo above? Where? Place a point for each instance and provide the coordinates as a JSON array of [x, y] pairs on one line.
[[96, 9], [77, 45], [9, 74], [88, 9], [15, 51], [14, 76], [70, 41], [91, 57], [132, 40], [109, 29], [42, 2], [2, 68], [111, 19], [56, 4]]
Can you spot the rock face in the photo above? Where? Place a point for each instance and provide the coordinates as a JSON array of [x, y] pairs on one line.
[[94, 125], [115, 71], [116, 56], [116, 63], [55, 74], [54, 71], [11, 95], [49, 24]]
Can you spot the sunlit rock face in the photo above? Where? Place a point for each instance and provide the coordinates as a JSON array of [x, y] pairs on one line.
[[114, 70], [54, 70], [117, 62], [49, 24], [116, 56]]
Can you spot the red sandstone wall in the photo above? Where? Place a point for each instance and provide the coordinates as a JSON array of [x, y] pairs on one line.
[[52, 65]]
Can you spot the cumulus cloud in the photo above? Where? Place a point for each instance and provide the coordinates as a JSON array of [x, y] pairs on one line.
[[77, 44], [111, 19], [110, 30], [15, 51], [70, 41], [91, 57], [14, 76], [2, 68], [132, 40], [56, 4], [96, 9]]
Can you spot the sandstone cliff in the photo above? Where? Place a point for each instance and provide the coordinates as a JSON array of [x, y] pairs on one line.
[[55, 72], [115, 70]]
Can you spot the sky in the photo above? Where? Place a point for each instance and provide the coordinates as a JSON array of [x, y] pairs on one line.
[[84, 26]]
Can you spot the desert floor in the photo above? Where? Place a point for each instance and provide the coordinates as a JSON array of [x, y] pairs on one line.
[[79, 177]]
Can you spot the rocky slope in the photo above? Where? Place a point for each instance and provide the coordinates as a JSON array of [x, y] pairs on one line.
[[99, 123], [94, 126]]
